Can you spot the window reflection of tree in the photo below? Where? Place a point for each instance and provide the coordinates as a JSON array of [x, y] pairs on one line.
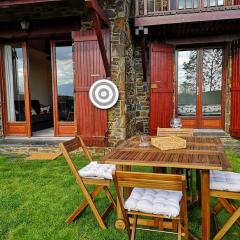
[[190, 68], [212, 70]]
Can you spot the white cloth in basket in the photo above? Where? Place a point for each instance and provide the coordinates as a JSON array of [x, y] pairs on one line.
[[96, 170], [225, 181], [154, 201]]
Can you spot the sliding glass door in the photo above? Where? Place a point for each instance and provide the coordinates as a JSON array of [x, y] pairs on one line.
[[200, 87], [63, 87], [16, 104], [17, 112]]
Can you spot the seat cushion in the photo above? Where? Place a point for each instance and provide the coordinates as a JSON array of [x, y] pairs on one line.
[[154, 201], [96, 170], [225, 181]]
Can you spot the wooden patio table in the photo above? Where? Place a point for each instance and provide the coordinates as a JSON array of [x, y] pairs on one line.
[[202, 153]]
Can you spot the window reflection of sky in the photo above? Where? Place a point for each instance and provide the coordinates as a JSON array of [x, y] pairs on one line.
[[183, 57], [20, 74], [64, 70]]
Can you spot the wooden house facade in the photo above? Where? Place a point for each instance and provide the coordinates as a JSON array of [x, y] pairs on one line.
[[169, 58]]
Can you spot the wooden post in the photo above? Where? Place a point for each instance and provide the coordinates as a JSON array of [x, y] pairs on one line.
[[136, 8], [97, 26], [145, 7], [27, 97]]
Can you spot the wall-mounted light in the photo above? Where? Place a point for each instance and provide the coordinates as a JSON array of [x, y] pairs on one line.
[[145, 31], [141, 30], [136, 31], [25, 24]]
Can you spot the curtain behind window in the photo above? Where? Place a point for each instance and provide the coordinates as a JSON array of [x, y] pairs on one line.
[[8, 65]]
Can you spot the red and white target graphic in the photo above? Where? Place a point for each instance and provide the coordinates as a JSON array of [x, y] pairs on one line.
[[103, 94]]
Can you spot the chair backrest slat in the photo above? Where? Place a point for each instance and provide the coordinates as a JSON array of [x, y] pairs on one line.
[[73, 145], [150, 180], [187, 132]]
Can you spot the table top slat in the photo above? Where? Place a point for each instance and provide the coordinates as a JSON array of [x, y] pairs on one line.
[[200, 153]]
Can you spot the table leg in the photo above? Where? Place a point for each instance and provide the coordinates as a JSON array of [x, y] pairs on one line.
[[205, 205], [198, 187], [120, 223]]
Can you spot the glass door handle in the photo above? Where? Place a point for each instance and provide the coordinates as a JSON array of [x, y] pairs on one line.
[[197, 91]]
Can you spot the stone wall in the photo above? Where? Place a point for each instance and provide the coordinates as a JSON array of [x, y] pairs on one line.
[[142, 94], [28, 149], [120, 116], [130, 91]]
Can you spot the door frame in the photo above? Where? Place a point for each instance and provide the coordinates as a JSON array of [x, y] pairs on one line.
[[61, 128], [21, 128], [200, 121]]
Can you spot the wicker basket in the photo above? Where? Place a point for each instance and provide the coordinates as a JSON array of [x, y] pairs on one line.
[[167, 143]]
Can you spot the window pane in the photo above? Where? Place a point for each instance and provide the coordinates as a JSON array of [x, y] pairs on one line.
[[189, 4], [14, 77], [212, 82], [181, 4], [212, 3], [187, 83], [65, 82], [195, 3], [161, 5], [151, 7]]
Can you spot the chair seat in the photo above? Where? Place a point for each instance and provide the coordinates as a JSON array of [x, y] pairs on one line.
[[96, 170], [225, 181], [154, 201]]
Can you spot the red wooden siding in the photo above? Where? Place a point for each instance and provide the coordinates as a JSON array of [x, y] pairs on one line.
[[235, 90], [88, 67], [161, 95]]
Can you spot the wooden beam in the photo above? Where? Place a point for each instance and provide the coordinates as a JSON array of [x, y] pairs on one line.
[[208, 39], [97, 26], [187, 18], [94, 5], [6, 4], [40, 28]]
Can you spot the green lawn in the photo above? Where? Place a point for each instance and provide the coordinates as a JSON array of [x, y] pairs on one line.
[[36, 197]]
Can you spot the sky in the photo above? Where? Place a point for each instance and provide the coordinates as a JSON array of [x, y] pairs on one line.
[[64, 70]]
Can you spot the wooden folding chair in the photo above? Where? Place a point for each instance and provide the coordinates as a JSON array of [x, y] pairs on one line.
[[225, 201], [180, 132], [102, 184], [154, 181]]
